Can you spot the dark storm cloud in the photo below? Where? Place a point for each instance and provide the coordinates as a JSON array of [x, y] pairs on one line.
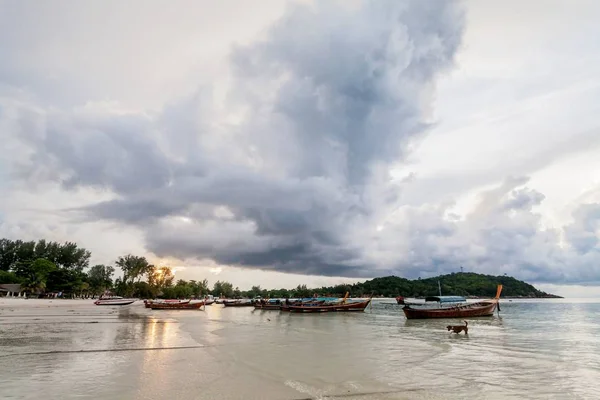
[[92, 147], [352, 82], [333, 95], [326, 101]]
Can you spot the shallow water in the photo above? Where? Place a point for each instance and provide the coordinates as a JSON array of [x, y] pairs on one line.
[[536, 349]]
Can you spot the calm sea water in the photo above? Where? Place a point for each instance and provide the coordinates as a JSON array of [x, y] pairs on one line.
[[535, 349]]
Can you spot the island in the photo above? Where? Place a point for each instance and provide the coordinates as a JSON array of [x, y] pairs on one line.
[[467, 284]]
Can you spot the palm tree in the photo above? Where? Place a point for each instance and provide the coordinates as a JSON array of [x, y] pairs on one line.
[[34, 286]]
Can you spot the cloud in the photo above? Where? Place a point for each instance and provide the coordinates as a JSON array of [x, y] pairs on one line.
[[583, 232], [291, 172], [331, 96]]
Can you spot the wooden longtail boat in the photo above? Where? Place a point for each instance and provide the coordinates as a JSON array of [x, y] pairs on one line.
[[434, 302], [238, 303], [339, 307], [273, 305], [148, 303], [177, 306], [309, 302], [483, 308]]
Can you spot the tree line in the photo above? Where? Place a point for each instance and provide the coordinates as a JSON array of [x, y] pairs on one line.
[[51, 267]]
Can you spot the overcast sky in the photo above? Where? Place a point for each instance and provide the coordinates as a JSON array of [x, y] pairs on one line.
[[279, 143]]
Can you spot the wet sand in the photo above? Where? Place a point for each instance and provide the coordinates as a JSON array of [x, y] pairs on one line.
[[74, 349]]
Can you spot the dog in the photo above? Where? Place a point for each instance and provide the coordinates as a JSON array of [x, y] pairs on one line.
[[459, 328]]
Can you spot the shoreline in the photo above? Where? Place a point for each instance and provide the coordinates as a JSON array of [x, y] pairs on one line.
[[5, 300]]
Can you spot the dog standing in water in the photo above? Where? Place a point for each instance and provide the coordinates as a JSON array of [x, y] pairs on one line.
[[459, 328]]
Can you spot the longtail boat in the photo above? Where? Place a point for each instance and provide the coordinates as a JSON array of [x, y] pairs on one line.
[[338, 306], [238, 303], [285, 306], [148, 303], [433, 302], [177, 306], [483, 308], [273, 305]]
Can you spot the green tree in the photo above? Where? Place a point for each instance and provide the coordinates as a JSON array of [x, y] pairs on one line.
[[143, 290], [24, 251], [8, 254], [72, 257], [303, 291], [204, 290], [199, 289], [223, 289], [134, 269], [160, 278], [278, 293], [64, 280], [183, 291], [120, 287], [255, 291], [9, 277], [195, 288], [100, 278], [67, 255], [35, 274]]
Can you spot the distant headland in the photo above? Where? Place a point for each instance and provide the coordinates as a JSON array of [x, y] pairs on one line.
[[468, 284]]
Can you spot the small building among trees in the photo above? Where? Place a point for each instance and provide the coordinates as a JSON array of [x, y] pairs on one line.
[[10, 290]]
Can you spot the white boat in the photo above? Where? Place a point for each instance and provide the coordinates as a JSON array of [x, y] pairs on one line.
[[113, 301]]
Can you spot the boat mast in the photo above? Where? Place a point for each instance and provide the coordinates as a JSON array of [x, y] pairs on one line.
[[440, 288]]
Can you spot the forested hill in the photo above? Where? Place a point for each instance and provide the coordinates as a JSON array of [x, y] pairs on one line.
[[460, 284]]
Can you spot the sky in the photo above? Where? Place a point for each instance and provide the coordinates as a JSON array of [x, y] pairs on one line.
[[277, 143]]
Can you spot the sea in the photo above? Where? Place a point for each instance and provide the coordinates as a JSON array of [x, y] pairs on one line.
[[72, 349]]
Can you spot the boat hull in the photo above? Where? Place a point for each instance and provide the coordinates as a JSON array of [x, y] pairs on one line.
[[148, 303], [113, 302], [342, 307], [175, 306], [271, 307], [234, 304], [481, 309]]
